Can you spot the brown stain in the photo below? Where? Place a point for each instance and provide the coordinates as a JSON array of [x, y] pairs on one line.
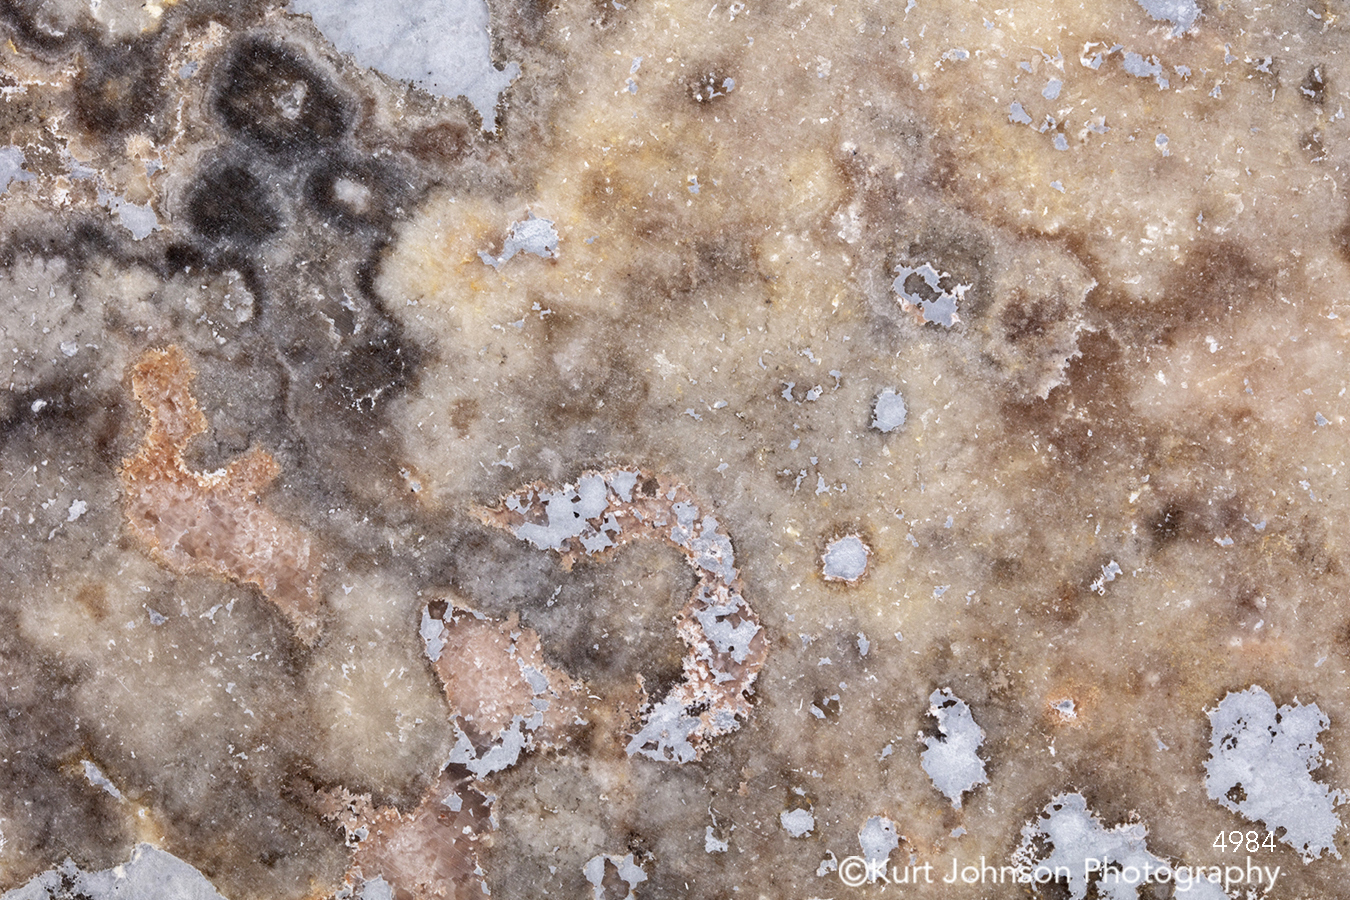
[[442, 142], [1086, 699], [93, 597], [463, 413], [211, 522]]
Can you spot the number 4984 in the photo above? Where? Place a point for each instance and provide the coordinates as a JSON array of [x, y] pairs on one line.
[[1238, 841]]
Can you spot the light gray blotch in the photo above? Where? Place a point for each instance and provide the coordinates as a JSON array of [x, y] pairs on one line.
[[1075, 835], [1270, 754], [377, 889], [878, 837], [441, 46], [951, 760], [888, 411], [622, 484], [668, 728], [532, 235], [1181, 13], [11, 167], [845, 559], [941, 309], [431, 631], [797, 822], [150, 874]]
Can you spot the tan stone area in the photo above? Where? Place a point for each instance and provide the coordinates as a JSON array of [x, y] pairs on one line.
[[1100, 256]]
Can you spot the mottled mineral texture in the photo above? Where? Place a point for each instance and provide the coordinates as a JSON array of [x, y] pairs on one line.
[[608, 449], [210, 521]]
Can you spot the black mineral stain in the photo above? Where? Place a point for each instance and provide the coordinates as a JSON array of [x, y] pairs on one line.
[[1314, 553], [79, 241], [271, 95], [1314, 86], [1312, 144], [119, 90], [613, 619], [370, 372], [229, 203], [1168, 524], [63, 408], [682, 271]]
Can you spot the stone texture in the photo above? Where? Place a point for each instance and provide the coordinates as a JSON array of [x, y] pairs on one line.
[[1098, 249]]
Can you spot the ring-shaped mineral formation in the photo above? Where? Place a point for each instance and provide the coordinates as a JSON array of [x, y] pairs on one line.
[[726, 645]]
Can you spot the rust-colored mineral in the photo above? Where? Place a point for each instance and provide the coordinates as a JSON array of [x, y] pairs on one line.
[[211, 521]]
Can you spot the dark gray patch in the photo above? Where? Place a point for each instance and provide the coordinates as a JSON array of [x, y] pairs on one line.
[[119, 90], [231, 204], [51, 812], [268, 93], [1314, 86]]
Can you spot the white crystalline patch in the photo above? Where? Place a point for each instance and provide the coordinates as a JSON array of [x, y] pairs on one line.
[[845, 559], [622, 483], [936, 303], [377, 889], [1075, 835], [1261, 763], [592, 498], [432, 631], [11, 168], [682, 532], [151, 874], [950, 760], [727, 638], [1181, 13], [565, 519], [1066, 708], [502, 754], [139, 219], [712, 551], [711, 844], [533, 235], [797, 822], [888, 411], [878, 837], [95, 776], [1139, 67], [665, 737], [629, 871], [441, 46]]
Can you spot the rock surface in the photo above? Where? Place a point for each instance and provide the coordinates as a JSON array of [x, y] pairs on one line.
[[977, 375]]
